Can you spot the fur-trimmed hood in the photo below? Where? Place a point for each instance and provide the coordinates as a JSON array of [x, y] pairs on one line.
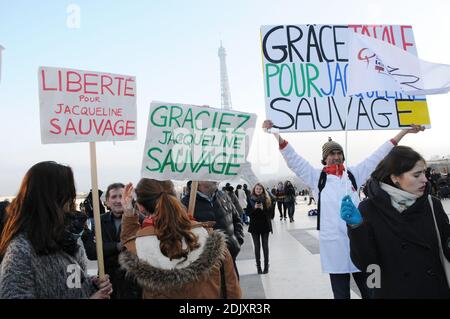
[[154, 271]]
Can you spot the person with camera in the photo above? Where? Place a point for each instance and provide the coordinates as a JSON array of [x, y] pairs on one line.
[[41, 257], [111, 223], [261, 215]]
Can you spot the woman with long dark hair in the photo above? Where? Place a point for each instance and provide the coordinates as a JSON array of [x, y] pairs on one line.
[[170, 255], [40, 252], [261, 215], [394, 232]]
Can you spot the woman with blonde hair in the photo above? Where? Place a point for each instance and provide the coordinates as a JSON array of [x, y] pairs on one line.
[[261, 214], [170, 255]]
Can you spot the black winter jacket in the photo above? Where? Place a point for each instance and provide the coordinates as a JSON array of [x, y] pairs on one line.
[[260, 219], [223, 212], [123, 288], [404, 246]]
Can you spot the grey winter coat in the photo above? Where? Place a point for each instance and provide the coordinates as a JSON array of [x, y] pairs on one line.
[[25, 275]]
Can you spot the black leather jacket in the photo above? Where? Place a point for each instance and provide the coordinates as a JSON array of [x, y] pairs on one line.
[[224, 213]]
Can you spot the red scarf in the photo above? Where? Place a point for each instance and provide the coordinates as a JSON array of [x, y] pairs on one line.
[[337, 169], [148, 221]]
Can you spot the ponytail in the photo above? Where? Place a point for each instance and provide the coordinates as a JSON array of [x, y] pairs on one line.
[[172, 225]]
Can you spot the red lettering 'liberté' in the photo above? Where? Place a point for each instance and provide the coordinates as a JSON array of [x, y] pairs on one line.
[[88, 83]]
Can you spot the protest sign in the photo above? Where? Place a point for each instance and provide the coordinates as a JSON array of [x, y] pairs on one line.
[[305, 71], [193, 142], [86, 106]]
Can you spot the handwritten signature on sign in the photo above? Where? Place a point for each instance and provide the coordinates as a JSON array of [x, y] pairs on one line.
[[404, 79]]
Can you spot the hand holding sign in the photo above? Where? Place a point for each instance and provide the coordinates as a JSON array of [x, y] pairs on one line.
[[267, 125], [413, 130]]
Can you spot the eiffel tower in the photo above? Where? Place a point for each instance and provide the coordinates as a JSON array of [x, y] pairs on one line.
[[247, 173]]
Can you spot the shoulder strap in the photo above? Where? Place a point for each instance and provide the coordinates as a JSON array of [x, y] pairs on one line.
[[223, 283], [352, 179], [444, 261], [320, 186]]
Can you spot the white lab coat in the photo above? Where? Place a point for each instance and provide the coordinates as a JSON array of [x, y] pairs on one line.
[[334, 242]]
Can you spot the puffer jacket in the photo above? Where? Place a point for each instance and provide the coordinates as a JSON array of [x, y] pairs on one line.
[[223, 212], [197, 277]]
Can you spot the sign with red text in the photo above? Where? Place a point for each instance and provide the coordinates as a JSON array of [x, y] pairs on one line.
[[86, 106], [194, 142], [305, 70]]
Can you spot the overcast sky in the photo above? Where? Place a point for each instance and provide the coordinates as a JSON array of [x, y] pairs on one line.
[[171, 48]]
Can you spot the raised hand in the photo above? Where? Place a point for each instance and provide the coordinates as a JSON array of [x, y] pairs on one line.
[[127, 200], [349, 213], [413, 130], [267, 124]]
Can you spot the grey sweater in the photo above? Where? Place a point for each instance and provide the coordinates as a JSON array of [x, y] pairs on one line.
[[24, 274]]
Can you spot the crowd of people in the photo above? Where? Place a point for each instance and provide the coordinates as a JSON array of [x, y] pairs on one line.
[[153, 248]]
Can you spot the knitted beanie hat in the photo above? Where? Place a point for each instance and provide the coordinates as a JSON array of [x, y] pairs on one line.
[[330, 146]]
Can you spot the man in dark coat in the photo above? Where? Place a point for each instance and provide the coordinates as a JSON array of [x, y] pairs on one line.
[[123, 288], [215, 205]]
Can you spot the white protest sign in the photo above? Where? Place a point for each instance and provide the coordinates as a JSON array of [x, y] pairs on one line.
[[86, 106], [305, 71], [193, 142]]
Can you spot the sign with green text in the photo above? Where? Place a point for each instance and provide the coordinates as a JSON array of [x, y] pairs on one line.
[[195, 142]]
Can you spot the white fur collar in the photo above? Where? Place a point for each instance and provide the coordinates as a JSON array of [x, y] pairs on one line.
[[147, 249]]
